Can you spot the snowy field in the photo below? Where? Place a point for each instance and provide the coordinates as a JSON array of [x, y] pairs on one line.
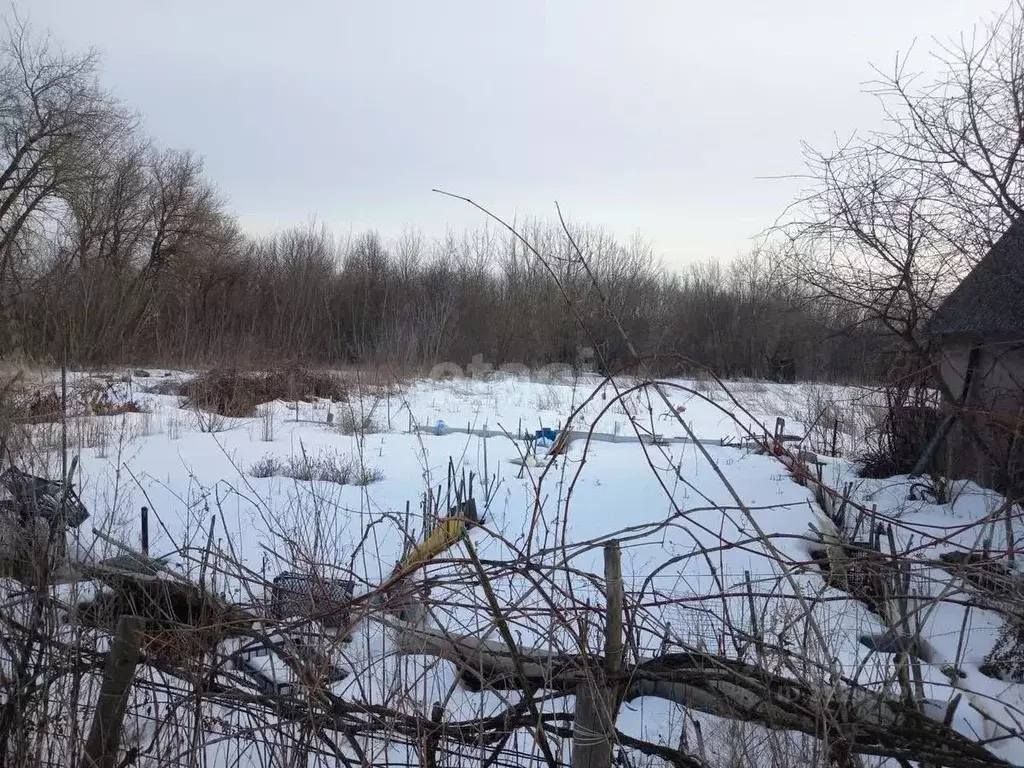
[[689, 519]]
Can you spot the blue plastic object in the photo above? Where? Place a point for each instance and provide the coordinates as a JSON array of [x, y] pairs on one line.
[[547, 434], [439, 427]]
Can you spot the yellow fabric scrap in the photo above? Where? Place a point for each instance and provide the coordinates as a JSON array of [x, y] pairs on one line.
[[447, 533]]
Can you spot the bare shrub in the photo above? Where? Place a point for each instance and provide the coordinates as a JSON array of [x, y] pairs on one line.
[[352, 422], [267, 422], [210, 422], [821, 414], [34, 405], [43, 406], [98, 397], [705, 384], [165, 387], [547, 399], [911, 419], [326, 467], [235, 393], [107, 408], [95, 433], [43, 402], [1006, 659], [268, 466]]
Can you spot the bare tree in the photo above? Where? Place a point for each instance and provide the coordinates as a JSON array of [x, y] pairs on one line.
[[963, 128], [54, 118], [893, 220], [185, 209]]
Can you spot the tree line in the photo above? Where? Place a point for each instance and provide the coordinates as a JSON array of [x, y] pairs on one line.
[[114, 250]]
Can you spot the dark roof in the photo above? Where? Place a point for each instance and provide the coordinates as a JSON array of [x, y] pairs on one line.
[[990, 300]]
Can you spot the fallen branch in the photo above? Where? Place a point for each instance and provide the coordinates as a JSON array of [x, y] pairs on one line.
[[873, 724]]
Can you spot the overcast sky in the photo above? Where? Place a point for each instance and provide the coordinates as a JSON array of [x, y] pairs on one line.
[[665, 118]]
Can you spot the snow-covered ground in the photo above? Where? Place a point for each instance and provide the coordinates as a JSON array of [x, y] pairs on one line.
[[688, 517], [958, 629]]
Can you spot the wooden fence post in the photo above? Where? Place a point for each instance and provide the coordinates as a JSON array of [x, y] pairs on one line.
[[145, 531], [105, 734], [598, 698]]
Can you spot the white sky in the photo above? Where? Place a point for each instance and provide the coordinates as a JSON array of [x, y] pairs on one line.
[[666, 118]]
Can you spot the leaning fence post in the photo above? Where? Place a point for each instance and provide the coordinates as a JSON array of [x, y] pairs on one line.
[[105, 734], [597, 699]]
